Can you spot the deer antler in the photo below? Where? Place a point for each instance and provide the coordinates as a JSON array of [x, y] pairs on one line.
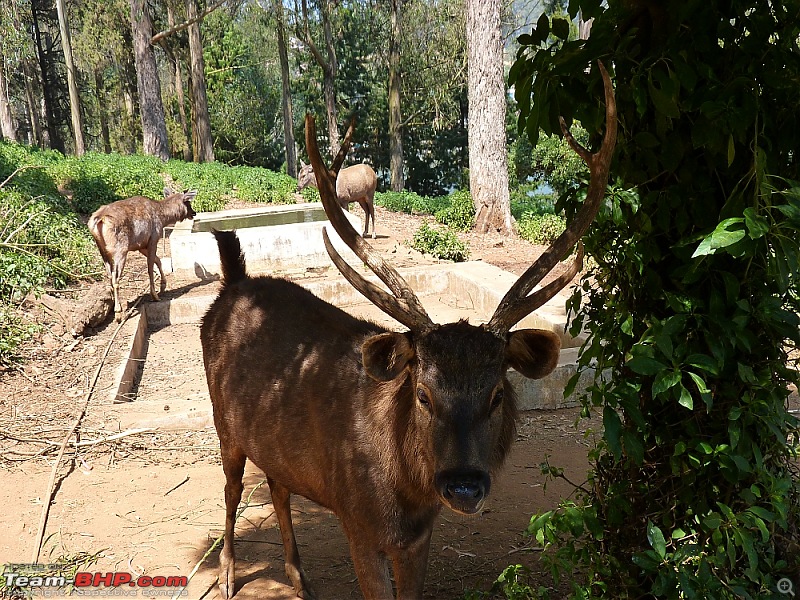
[[517, 304], [404, 306]]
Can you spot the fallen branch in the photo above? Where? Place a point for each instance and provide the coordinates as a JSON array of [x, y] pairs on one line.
[[51, 483]]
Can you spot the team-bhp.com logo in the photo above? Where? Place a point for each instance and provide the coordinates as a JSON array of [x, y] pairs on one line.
[[19, 578]]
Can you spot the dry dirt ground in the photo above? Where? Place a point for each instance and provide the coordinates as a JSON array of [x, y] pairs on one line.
[[151, 502]]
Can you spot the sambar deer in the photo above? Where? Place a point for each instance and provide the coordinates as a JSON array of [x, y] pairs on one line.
[[381, 427], [137, 224], [354, 184]]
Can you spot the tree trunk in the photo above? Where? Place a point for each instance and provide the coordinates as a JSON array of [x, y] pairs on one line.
[[488, 160], [7, 128], [51, 138], [176, 65], [286, 92], [329, 81], [395, 121], [30, 99], [329, 68], [72, 83], [151, 108], [99, 90], [202, 122]]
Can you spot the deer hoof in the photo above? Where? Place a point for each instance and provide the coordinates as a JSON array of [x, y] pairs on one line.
[[226, 591]]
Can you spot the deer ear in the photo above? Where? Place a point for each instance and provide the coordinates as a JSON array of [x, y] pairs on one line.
[[385, 356], [533, 352]]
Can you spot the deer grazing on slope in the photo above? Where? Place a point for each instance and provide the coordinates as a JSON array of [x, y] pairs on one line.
[[354, 184], [137, 224], [381, 427]]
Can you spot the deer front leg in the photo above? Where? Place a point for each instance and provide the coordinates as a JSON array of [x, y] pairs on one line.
[[410, 565], [283, 510], [372, 570], [233, 466], [163, 286]]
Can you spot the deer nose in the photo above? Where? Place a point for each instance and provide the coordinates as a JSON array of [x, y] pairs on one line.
[[464, 491]]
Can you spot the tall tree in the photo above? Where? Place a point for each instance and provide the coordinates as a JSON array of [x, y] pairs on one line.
[[204, 144], [7, 128], [488, 157], [51, 135], [151, 108], [396, 166], [72, 79], [328, 63], [286, 90]]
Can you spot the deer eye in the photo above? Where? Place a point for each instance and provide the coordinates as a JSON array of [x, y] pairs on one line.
[[497, 400], [423, 398]]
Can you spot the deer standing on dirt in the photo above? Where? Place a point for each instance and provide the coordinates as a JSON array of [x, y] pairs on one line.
[[381, 427], [137, 224], [354, 184]]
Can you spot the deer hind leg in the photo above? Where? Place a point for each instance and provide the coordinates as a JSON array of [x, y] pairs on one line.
[[371, 205], [233, 465], [151, 261], [283, 510], [116, 266], [365, 206]]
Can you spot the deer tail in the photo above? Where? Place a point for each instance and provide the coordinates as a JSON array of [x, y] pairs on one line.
[[95, 225], [230, 257]]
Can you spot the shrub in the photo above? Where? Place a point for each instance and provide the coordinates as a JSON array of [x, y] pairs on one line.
[[528, 199], [441, 244], [540, 229], [255, 184], [409, 202], [460, 212], [42, 243], [96, 179]]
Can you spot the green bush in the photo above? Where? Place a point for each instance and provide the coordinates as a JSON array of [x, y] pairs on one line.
[[410, 202], [255, 184], [441, 244], [214, 182], [96, 179], [460, 211], [540, 229], [526, 199], [41, 243]]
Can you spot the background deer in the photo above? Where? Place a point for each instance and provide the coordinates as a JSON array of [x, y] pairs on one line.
[[381, 427], [354, 184], [136, 224]]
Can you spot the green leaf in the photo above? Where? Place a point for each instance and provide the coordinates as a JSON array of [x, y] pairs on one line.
[[704, 363], [665, 380], [712, 521], [656, 539], [633, 446], [731, 150], [644, 365], [757, 226], [560, 28], [726, 234], [685, 398]]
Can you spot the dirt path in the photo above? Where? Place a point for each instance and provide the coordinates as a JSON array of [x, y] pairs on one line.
[[151, 502]]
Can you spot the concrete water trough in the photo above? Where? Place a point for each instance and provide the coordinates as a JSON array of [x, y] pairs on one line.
[[164, 364], [272, 237]]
